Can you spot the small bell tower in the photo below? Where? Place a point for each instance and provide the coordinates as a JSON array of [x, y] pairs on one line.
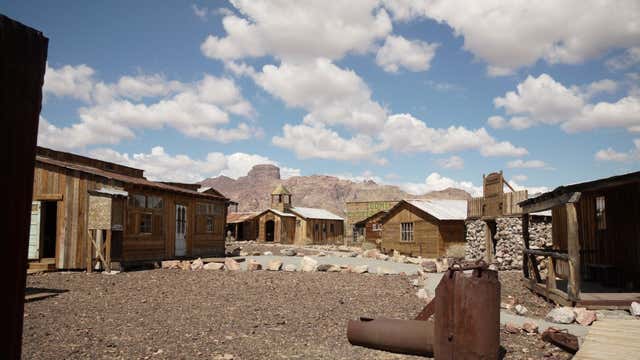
[[281, 199]]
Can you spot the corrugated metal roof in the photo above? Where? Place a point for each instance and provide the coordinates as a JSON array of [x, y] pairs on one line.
[[442, 209], [111, 191], [238, 217], [314, 213], [124, 178]]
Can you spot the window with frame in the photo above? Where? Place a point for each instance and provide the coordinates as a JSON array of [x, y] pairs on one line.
[[209, 224], [145, 225], [138, 201], [406, 232], [324, 228], [376, 227], [154, 202], [601, 216]]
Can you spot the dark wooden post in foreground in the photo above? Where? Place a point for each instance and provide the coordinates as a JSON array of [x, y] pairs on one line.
[[23, 53]]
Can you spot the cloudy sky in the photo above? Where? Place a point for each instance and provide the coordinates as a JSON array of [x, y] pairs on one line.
[[423, 94]]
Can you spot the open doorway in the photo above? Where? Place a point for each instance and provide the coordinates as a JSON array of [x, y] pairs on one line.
[[48, 226], [270, 230]]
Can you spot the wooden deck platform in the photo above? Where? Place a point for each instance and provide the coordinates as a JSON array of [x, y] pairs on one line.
[[611, 339]]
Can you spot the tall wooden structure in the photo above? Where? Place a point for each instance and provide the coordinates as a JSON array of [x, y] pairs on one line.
[[494, 203], [595, 258], [22, 65]]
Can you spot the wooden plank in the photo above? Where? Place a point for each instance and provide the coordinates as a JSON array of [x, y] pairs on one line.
[[49, 197], [553, 254], [610, 338], [89, 252], [107, 252], [573, 239], [551, 203]]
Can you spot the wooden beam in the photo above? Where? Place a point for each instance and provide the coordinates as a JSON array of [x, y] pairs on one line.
[[525, 239], [553, 254], [488, 238], [107, 252], [551, 203], [573, 244], [551, 274], [509, 186], [48, 197], [89, 251]]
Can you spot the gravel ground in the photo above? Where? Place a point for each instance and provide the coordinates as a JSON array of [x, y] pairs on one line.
[[176, 314], [513, 290]]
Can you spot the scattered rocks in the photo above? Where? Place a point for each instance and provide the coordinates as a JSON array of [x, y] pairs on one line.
[[371, 254], [360, 269], [321, 253], [253, 265], [290, 267], [288, 252], [213, 266], [429, 266], [267, 253], [585, 317], [334, 268], [171, 264], [561, 315], [324, 267], [197, 264], [530, 327], [635, 309], [521, 310], [185, 265], [231, 264], [510, 328], [308, 264], [274, 265]]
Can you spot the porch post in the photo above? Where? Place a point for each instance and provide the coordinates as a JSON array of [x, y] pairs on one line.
[[573, 244]]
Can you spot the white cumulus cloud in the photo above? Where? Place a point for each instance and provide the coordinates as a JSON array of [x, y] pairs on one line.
[[413, 55]]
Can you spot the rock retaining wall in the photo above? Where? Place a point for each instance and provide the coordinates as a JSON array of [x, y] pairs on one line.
[[509, 243]]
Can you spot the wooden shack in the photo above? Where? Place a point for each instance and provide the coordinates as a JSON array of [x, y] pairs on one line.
[[427, 228], [370, 228], [242, 226], [85, 210], [595, 258], [286, 224]]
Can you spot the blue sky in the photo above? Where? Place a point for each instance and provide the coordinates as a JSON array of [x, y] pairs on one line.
[[423, 94]]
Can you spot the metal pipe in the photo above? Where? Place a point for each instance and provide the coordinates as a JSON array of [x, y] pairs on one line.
[[414, 337]]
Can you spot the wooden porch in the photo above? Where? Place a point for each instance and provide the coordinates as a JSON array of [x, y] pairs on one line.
[[594, 260]]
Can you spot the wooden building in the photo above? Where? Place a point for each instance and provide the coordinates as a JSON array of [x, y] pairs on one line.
[[242, 226], [85, 210], [370, 228], [286, 224], [426, 228], [595, 258], [359, 210]]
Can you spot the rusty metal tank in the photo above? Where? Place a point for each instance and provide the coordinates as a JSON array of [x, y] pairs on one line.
[[467, 314]]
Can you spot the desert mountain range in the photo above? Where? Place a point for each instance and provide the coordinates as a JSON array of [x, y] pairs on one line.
[[252, 192]]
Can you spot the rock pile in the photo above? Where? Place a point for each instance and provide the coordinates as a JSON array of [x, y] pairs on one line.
[[509, 243]]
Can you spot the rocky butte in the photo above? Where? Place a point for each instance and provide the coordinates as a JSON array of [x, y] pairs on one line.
[[322, 191]]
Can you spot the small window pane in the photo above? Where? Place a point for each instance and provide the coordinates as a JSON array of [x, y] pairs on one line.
[[145, 223], [154, 202], [601, 218], [209, 224], [138, 201]]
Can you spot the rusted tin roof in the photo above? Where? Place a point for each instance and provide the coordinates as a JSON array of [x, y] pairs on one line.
[[140, 181], [238, 217]]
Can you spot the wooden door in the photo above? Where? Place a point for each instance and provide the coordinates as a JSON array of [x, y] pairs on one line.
[[181, 230], [34, 231]]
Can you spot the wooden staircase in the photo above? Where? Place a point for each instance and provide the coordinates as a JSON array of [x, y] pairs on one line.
[[42, 265]]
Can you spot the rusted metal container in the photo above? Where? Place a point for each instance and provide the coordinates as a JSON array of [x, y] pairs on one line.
[[414, 337], [467, 314]]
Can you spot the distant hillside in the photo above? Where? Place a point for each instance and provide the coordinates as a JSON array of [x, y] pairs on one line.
[[328, 192]]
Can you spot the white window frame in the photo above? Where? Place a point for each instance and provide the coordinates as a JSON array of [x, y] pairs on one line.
[[406, 232]]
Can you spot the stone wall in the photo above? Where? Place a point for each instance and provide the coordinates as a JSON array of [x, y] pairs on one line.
[[509, 243]]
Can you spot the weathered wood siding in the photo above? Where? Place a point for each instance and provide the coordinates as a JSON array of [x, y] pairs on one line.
[[426, 233], [370, 234], [284, 227], [431, 238], [323, 231], [71, 191]]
